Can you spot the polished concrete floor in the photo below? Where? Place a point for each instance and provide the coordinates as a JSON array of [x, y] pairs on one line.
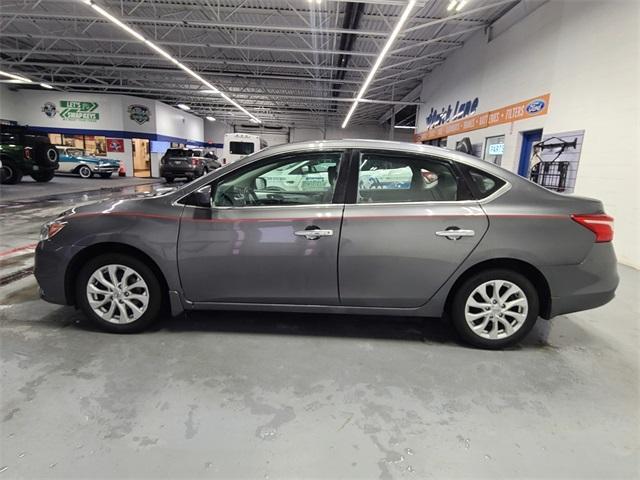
[[256, 395]]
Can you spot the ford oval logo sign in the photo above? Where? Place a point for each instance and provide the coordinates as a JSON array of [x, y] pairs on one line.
[[535, 106]]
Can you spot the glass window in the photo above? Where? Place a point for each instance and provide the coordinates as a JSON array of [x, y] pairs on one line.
[[55, 138], [303, 179], [387, 177], [76, 141], [95, 145], [485, 184], [493, 149], [241, 148]]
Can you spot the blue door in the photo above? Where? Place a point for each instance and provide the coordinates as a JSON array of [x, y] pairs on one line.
[[528, 140]]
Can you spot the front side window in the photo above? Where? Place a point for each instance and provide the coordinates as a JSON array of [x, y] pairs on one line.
[[300, 179], [241, 148], [389, 177]]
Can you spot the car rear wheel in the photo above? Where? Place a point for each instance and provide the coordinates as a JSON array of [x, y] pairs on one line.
[[119, 293], [85, 172], [495, 308], [9, 173], [43, 176]]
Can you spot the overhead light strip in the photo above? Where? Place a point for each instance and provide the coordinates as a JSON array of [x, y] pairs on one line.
[[21, 79], [378, 62], [169, 57]]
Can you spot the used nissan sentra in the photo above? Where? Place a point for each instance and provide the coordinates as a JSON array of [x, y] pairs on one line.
[[462, 238]]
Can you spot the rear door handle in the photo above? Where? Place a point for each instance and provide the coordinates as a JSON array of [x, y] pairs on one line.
[[454, 233], [313, 234]]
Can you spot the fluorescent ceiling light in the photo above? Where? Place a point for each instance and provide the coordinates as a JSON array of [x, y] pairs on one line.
[[211, 119], [184, 107], [408, 127], [215, 92], [13, 76], [254, 121], [461, 5], [46, 85], [452, 5], [210, 87], [376, 65]]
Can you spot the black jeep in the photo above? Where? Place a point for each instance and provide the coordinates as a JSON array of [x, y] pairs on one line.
[[26, 152]]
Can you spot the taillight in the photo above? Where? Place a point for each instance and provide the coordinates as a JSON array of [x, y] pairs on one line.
[[600, 224], [224, 161], [27, 153], [194, 162]]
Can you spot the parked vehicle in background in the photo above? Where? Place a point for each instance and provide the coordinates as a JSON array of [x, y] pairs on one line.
[[239, 145], [77, 161], [463, 238], [26, 152], [186, 163]]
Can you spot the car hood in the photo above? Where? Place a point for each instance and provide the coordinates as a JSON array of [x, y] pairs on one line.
[[140, 204]]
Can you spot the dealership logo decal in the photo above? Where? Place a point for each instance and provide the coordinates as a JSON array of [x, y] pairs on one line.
[[73, 110], [49, 109], [450, 114], [535, 106], [139, 113]]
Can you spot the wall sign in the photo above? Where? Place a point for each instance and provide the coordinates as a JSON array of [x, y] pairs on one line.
[[532, 107], [49, 109], [139, 113], [448, 114], [73, 110], [115, 145], [496, 149]]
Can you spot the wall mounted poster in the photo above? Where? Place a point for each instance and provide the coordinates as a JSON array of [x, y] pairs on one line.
[[115, 145]]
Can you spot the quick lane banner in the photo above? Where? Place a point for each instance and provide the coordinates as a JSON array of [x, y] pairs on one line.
[[532, 107]]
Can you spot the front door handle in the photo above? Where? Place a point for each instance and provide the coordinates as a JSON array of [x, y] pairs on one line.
[[312, 233], [455, 233]]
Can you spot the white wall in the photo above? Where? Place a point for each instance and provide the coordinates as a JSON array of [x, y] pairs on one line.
[[586, 55], [373, 131]]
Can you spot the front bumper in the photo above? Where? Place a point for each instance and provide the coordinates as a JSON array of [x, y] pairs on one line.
[[50, 268], [587, 285], [105, 169]]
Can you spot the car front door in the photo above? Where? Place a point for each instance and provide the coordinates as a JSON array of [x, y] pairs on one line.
[[252, 244], [402, 240]]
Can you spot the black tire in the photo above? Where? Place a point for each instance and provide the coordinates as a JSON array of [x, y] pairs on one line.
[[10, 174], [43, 175], [154, 292], [84, 171], [464, 291], [105, 175], [169, 179], [45, 155]]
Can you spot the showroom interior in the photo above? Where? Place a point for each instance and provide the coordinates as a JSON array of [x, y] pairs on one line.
[[126, 93]]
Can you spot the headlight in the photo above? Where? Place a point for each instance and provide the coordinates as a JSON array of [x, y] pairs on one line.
[[50, 229]]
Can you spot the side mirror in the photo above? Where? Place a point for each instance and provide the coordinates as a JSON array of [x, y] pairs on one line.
[[260, 183], [201, 198]]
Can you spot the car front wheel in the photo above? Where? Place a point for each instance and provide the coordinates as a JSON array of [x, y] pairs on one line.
[[10, 174], [119, 293], [495, 308], [85, 172]]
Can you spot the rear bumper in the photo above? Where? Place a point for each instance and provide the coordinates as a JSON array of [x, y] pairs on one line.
[[168, 171], [587, 285]]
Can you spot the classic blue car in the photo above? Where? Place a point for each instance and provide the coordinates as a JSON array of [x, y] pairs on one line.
[[75, 160]]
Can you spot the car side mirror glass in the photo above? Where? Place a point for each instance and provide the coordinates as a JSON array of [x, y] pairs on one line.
[[260, 183], [201, 198]]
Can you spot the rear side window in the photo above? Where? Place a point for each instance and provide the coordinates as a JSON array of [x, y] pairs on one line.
[[241, 148], [484, 183], [395, 178]]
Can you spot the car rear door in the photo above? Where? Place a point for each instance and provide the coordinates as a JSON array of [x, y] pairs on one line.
[[257, 245], [401, 241]]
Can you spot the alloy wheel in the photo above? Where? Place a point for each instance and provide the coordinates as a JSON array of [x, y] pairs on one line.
[[117, 294], [496, 309]]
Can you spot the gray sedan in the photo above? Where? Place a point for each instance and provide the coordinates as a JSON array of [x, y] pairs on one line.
[[450, 236]]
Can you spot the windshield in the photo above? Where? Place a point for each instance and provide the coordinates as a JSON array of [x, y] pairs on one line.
[[75, 152]]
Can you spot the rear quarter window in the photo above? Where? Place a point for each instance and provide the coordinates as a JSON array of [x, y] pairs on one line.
[[484, 183]]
